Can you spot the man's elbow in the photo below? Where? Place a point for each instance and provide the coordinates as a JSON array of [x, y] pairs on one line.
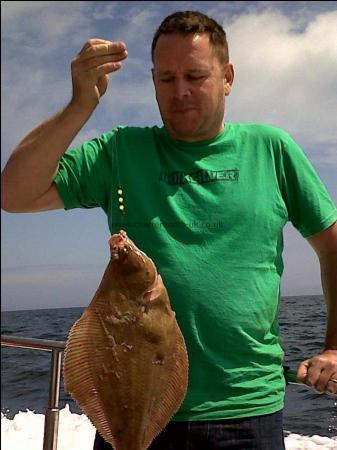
[[7, 198], [10, 198], [13, 202], [8, 205]]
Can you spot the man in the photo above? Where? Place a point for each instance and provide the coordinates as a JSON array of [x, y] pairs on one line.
[[207, 200]]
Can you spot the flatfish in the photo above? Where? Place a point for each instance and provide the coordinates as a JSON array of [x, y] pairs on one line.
[[125, 361]]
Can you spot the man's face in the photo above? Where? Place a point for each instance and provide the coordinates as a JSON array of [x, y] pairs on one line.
[[190, 85]]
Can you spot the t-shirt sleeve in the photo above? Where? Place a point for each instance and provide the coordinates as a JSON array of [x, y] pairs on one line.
[[84, 174], [310, 207]]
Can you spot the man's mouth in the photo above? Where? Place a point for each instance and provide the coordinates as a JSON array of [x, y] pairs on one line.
[[184, 109]]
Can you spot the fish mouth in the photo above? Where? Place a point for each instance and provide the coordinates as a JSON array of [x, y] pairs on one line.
[[119, 244]]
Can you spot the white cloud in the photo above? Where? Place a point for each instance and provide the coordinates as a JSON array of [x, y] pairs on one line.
[[15, 8], [105, 10], [141, 18], [46, 25], [286, 77]]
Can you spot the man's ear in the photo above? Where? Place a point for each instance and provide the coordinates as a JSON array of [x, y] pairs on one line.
[[227, 88], [229, 78]]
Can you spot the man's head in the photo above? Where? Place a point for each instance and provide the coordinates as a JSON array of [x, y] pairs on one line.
[[194, 22], [191, 74]]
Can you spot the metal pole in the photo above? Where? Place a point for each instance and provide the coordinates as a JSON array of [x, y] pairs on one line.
[[24, 342], [52, 412]]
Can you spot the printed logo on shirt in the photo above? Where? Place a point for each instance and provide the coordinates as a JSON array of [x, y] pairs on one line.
[[200, 176]]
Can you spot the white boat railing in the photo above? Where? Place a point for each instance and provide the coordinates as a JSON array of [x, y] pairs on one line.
[[52, 411]]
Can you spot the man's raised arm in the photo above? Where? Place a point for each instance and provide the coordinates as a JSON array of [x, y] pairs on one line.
[[27, 179]]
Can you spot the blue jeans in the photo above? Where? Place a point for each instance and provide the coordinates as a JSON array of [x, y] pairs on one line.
[[252, 433]]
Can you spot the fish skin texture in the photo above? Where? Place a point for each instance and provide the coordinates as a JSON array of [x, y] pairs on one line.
[[125, 361]]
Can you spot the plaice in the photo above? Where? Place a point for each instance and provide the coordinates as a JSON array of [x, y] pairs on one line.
[[125, 361]]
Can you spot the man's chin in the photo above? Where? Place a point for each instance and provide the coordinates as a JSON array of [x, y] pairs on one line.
[[182, 133]]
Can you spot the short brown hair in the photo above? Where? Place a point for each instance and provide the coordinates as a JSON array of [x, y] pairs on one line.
[[186, 22]]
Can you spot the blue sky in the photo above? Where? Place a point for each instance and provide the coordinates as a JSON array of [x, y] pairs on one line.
[[285, 59]]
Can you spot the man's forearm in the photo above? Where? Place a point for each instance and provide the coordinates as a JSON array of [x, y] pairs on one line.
[[319, 370], [30, 170], [328, 264]]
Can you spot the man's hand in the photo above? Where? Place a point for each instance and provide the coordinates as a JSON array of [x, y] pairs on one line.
[[90, 69], [319, 372]]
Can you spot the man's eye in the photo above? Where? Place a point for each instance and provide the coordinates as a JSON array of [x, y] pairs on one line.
[[195, 77]]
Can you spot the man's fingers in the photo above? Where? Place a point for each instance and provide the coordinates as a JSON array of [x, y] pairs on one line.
[[96, 61], [92, 41], [100, 58], [96, 41], [97, 58], [318, 373], [307, 373], [332, 386], [101, 48], [302, 371], [321, 385]]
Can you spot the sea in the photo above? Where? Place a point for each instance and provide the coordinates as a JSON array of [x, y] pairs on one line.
[[25, 372]]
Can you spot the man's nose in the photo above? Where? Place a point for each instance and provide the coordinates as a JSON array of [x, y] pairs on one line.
[[181, 88]]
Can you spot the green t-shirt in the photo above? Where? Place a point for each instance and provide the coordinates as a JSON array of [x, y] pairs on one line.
[[210, 214]]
